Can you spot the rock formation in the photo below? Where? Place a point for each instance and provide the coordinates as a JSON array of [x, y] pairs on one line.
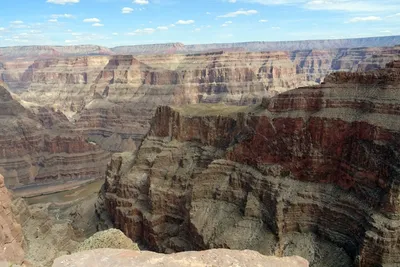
[[39, 145], [312, 172], [113, 98], [220, 257], [11, 238]]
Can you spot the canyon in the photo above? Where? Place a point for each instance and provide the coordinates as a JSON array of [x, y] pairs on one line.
[[112, 98], [285, 148], [313, 172]]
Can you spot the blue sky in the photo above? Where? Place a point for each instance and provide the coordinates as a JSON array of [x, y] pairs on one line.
[[127, 22]]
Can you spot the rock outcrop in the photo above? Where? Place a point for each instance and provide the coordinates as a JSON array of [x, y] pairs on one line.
[[220, 257], [312, 172], [40, 145], [11, 237]]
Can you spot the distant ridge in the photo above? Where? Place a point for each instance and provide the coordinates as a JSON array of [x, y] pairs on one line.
[[264, 46], [180, 48]]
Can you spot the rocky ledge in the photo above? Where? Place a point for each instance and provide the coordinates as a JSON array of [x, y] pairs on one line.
[[220, 257], [313, 172]]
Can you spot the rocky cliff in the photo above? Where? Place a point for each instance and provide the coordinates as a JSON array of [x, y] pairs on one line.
[[113, 98], [312, 172], [11, 238], [39, 144]]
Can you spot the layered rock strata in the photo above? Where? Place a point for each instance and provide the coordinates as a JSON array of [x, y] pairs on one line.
[[311, 172], [113, 98], [11, 237], [221, 257], [39, 145]]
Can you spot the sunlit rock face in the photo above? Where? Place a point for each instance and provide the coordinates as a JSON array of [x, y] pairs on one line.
[[312, 172], [215, 257], [112, 98], [39, 145]]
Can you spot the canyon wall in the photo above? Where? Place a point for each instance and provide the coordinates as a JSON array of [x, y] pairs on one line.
[[312, 172], [40, 145], [112, 98]]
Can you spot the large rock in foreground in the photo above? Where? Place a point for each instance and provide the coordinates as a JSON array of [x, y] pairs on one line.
[[215, 257]]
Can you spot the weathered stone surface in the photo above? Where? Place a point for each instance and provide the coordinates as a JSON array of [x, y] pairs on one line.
[[112, 238], [11, 238], [40, 145], [216, 257], [312, 172]]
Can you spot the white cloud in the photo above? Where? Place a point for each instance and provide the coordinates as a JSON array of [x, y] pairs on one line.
[[114, 33], [208, 13], [91, 20], [395, 15], [239, 12], [63, 2], [52, 20], [97, 25], [67, 16], [386, 31], [17, 22], [226, 23], [141, 2], [263, 20], [162, 28], [336, 5], [70, 41], [232, 1], [172, 25], [276, 28], [361, 19], [76, 34], [185, 22], [127, 10], [2, 29], [142, 31], [351, 5]]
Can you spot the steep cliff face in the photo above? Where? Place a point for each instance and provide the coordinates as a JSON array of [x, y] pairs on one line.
[[39, 144], [112, 98], [11, 238], [311, 172]]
